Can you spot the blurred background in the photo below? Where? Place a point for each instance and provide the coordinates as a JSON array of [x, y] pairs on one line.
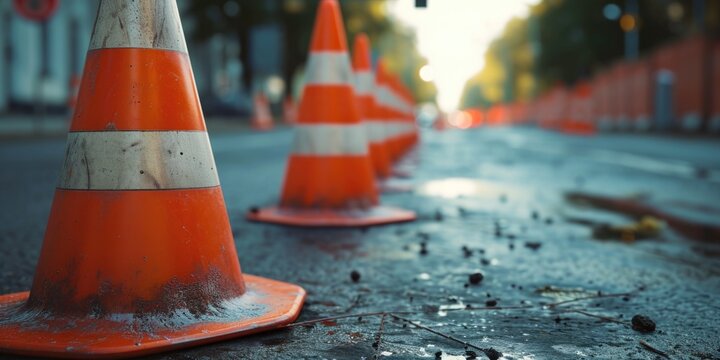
[[568, 150], [576, 66]]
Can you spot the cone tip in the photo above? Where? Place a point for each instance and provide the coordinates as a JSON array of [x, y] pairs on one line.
[[329, 31], [361, 53]]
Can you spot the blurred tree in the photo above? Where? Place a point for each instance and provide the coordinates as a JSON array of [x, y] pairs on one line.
[[563, 41], [399, 51]]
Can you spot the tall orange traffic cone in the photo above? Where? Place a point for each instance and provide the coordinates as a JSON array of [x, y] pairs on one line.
[[261, 114], [329, 179], [138, 255], [371, 118]]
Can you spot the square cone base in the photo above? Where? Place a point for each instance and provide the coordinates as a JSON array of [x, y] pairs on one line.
[[378, 215], [266, 304]]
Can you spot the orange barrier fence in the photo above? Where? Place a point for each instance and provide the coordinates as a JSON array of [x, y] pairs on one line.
[[675, 87]]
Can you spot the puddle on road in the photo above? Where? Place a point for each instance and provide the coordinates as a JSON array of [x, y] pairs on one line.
[[454, 188], [423, 277], [443, 309]]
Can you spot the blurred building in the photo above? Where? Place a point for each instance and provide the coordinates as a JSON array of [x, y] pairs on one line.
[[38, 61], [41, 64]]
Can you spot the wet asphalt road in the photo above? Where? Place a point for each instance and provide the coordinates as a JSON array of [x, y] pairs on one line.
[[498, 193]]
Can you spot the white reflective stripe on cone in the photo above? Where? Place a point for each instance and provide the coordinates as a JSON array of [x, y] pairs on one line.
[[329, 68], [376, 130], [138, 160], [330, 139], [397, 128], [364, 82], [388, 98], [150, 24]]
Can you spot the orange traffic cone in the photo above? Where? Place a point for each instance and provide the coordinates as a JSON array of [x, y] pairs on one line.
[[405, 109], [329, 179], [261, 116], [395, 125], [406, 124], [409, 100], [372, 119], [138, 255], [387, 110]]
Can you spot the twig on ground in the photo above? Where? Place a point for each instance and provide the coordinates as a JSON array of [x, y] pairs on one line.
[[378, 337], [489, 352], [449, 337], [331, 318], [405, 312], [604, 318], [552, 305], [520, 307], [354, 303], [653, 349]]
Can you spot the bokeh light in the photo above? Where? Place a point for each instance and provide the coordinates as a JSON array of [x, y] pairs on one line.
[[612, 12], [426, 73]]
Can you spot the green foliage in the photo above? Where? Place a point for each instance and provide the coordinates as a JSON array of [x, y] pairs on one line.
[[563, 41]]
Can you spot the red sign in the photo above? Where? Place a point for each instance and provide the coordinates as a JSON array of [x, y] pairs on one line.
[[36, 10]]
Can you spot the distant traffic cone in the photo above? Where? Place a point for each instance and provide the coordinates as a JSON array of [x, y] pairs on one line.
[[389, 109], [138, 255], [329, 179], [261, 115], [374, 115], [395, 121], [289, 111], [371, 118], [408, 111], [407, 129], [407, 96], [383, 109], [402, 111]]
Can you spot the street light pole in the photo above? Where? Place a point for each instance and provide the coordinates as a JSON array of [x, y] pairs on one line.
[[632, 36]]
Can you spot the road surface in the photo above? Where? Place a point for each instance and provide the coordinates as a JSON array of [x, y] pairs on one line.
[[494, 201]]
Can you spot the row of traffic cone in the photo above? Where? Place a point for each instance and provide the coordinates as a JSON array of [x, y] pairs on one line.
[[386, 107], [138, 255], [351, 127], [262, 119]]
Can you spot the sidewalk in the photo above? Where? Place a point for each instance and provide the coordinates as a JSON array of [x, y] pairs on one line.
[[23, 126], [30, 126]]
